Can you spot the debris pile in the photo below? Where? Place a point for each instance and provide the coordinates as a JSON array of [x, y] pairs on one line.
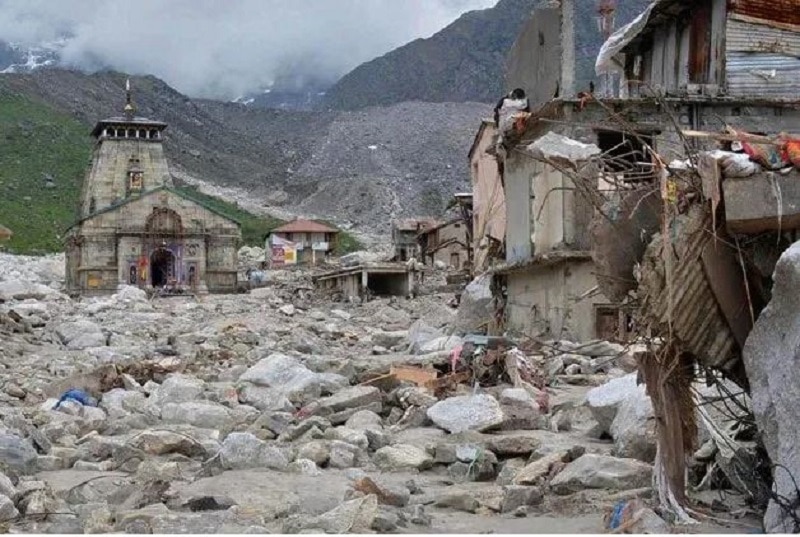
[[233, 414]]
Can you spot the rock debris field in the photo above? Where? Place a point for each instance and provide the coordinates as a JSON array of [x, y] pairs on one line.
[[276, 411]]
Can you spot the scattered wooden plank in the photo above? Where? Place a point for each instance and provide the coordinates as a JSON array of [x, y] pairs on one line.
[[418, 375]]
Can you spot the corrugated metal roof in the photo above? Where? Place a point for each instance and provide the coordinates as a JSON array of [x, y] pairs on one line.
[[783, 11], [763, 75], [698, 324]]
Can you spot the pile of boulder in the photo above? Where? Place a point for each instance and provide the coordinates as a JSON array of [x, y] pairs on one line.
[[267, 412]]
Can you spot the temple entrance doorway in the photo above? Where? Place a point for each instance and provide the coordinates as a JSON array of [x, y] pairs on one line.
[[162, 267]]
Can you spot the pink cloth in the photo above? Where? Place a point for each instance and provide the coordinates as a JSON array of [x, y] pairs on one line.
[[454, 357]]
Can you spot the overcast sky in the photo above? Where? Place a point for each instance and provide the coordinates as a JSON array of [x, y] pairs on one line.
[[224, 48]]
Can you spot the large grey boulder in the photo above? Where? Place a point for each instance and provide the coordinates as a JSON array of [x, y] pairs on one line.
[[467, 413], [177, 389], [476, 306], [296, 381], [604, 401], [602, 472], [421, 333], [634, 428], [770, 357], [80, 335]]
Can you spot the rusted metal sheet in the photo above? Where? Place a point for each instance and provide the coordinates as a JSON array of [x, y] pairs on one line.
[[763, 75], [782, 11], [759, 38], [683, 308], [724, 273]]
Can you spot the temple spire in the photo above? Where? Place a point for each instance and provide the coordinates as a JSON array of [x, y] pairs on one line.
[[130, 109]]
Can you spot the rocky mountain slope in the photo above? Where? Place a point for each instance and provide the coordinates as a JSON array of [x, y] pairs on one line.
[[466, 61], [463, 62], [320, 163]]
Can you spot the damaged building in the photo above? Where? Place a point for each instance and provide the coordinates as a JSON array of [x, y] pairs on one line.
[[446, 244], [136, 229], [364, 281], [404, 236], [662, 204], [488, 200]]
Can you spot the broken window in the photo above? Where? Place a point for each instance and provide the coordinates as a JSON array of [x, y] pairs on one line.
[[625, 157]]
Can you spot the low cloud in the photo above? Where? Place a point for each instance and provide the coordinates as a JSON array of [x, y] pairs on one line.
[[226, 48]]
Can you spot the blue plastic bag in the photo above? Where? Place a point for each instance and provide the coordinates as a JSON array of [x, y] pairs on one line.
[[79, 396], [616, 515]]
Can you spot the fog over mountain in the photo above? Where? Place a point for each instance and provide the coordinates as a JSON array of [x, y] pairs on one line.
[[219, 48]]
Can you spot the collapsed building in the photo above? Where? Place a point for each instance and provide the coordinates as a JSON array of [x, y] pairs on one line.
[[658, 209], [404, 236], [136, 229]]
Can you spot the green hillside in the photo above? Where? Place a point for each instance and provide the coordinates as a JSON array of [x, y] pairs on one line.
[[43, 158], [44, 155]]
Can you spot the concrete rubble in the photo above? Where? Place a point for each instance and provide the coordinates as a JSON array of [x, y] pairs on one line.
[[225, 414]]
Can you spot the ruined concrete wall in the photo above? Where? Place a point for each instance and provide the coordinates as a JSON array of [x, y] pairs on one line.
[[552, 223], [543, 301], [519, 173], [488, 199], [454, 254], [534, 62], [107, 182]]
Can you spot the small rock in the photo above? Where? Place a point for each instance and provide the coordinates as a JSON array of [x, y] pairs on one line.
[[15, 391], [357, 396], [17, 453], [387, 494], [343, 455], [243, 450], [516, 496], [205, 415], [304, 467], [402, 457], [297, 382], [467, 413], [364, 420], [385, 522], [389, 339], [287, 310], [177, 389], [354, 516], [343, 315], [460, 501], [318, 451], [7, 509]]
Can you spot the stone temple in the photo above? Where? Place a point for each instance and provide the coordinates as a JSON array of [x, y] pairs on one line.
[[135, 228]]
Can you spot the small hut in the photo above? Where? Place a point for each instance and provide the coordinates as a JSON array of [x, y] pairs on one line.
[[5, 233]]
